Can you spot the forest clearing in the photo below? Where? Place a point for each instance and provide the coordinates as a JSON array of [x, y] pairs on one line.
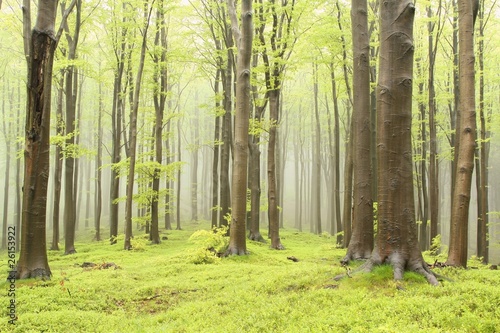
[[159, 288]]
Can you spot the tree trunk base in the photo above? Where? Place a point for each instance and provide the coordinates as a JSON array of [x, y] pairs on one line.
[[37, 273], [399, 266], [232, 251], [70, 251], [256, 236]]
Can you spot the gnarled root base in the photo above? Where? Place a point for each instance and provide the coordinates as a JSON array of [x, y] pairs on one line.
[[399, 266]]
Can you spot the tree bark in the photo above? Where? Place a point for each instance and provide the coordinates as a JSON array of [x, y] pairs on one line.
[[243, 38], [361, 242], [33, 257], [133, 131], [71, 89], [397, 241], [58, 159], [457, 254], [159, 99]]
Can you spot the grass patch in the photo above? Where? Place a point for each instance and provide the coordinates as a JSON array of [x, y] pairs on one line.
[[160, 288]]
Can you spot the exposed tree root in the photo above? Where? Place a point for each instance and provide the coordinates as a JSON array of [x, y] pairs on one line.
[[399, 267]]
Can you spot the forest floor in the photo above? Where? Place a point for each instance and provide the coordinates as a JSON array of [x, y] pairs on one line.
[[164, 288]]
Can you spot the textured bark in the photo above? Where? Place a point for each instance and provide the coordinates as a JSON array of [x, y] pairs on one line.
[[457, 255], [243, 38], [361, 241], [33, 257], [396, 242]]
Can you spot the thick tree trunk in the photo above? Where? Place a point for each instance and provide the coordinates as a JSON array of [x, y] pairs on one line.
[[361, 242], [33, 258], [397, 242], [457, 255]]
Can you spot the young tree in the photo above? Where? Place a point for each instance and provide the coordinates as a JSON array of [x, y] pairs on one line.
[[396, 242], [466, 130], [33, 257], [243, 38]]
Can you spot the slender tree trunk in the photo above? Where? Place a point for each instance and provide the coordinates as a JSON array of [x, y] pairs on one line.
[[133, 132], [225, 197], [178, 191], [71, 89], [361, 242], [433, 151], [159, 99], [215, 161], [58, 159], [316, 186], [243, 38], [98, 171], [457, 255], [483, 204], [274, 96]]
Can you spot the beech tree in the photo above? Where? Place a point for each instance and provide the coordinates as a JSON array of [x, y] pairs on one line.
[[466, 130], [243, 39], [361, 241], [33, 257], [396, 242]]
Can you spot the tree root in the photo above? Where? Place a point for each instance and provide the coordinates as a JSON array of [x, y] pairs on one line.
[[399, 267]]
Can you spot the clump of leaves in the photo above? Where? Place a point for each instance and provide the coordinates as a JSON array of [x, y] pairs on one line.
[[437, 250], [213, 243]]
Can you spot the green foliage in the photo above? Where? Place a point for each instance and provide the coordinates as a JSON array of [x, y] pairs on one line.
[[437, 250], [212, 244]]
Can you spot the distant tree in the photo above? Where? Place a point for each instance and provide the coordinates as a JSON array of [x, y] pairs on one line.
[[466, 130], [243, 38], [71, 91], [159, 98], [33, 257], [396, 242], [58, 163]]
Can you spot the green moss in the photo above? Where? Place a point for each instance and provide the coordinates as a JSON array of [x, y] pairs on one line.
[[159, 289]]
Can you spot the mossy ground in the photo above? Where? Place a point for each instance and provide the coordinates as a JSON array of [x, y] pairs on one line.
[[159, 288]]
